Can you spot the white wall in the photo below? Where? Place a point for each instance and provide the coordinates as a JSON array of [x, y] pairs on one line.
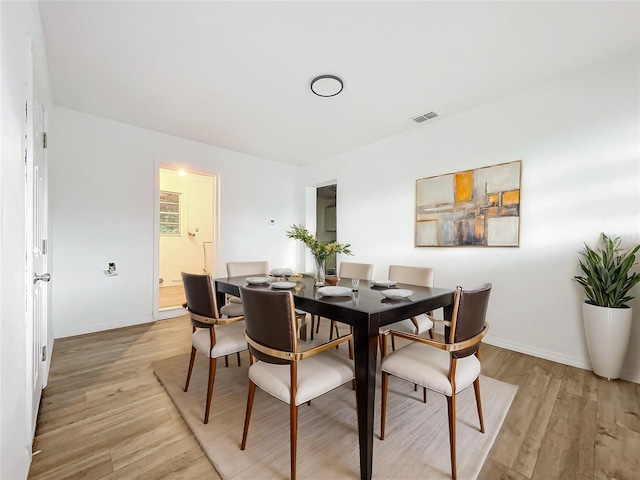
[[102, 200], [579, 141], [17, 19]]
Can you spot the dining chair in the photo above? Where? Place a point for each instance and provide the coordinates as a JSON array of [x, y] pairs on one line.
[[239, 269], [212, 335], [447, 367], [424, 277], [258, 268], [363, 271], [270, 320]]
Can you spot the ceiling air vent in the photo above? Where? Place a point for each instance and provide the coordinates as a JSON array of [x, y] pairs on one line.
[[425, 117]]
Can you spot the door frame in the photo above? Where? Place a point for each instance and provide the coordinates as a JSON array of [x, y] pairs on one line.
[[310, 220], [215, 209]]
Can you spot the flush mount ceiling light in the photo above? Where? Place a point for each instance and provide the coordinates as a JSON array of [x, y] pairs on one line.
[[326, 85]]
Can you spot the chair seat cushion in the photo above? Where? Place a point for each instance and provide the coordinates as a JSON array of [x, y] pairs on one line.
[[424, 325], [429, 367], [229, 339], [234, 300], [317, 375], [232, 310]]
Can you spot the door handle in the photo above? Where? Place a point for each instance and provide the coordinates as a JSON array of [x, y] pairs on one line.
[[45, 277]]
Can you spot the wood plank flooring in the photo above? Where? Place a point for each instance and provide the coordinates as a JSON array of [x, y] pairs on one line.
[[171, 296], [104, 415]]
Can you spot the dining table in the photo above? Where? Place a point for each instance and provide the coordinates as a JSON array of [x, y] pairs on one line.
[[366, 310]]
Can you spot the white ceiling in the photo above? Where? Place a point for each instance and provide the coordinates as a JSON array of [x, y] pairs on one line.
[[236, 74]]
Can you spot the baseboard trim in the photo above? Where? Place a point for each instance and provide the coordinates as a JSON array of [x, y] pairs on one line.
[[101, 327], [572, 361], [539, 352], [171, 313]]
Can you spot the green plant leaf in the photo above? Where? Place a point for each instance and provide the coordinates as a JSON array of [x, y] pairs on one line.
[[607, 272]]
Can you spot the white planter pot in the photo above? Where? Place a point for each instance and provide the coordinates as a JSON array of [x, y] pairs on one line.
[[607, 331]]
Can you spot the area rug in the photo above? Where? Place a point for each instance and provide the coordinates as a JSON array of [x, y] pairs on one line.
[[417, 436]]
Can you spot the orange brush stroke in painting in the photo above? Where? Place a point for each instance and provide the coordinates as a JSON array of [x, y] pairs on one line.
[[463, 186], [511, 198], [479, 226]]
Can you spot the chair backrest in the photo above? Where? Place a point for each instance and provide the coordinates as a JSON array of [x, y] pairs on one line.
[[363, 271], [423, 276], [199, 292], [239, 269], [270, 320], [469, 314]]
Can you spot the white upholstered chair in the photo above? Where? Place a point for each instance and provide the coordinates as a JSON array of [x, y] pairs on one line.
[[259, 269], [444, 367], [240, 269], [363, 271], [212, 335], [279, 367], [422, 276]]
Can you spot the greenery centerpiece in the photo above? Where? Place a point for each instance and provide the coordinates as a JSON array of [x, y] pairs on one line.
[[607, 281], [321, 250]]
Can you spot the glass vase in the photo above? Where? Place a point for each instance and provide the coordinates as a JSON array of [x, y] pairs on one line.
[[319, 273]]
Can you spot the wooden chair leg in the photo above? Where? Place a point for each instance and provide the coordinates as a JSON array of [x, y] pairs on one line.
[[193, 357], [424, 394], [313, 322], [238, 357], [476, 388], [317, 324], [212, 377], [247, 416], [451, 408], [226, 360], [293, 419], [393, 343]]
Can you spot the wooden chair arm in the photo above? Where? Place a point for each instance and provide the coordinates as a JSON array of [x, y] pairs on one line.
[[214, 321], [295, 356], [449, 347]]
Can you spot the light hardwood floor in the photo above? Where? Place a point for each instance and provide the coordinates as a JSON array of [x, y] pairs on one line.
[[104, 415], [171, 296]]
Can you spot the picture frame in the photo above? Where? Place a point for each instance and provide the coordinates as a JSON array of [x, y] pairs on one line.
[[479, 207]]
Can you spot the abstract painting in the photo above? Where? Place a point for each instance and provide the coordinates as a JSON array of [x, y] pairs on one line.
[[478, 207]]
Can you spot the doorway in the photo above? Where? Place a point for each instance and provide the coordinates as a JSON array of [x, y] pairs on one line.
[[185, 233], [326, 226]]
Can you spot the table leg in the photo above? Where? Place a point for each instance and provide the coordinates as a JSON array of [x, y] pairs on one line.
[[220, 297], [365, 346]]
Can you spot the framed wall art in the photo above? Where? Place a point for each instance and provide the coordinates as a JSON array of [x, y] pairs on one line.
[[479, 207]]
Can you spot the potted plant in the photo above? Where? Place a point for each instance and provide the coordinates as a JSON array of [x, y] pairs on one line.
[[320, 250], [607, 281]]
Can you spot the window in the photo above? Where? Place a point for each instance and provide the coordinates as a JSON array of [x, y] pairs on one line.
[[169, 213]]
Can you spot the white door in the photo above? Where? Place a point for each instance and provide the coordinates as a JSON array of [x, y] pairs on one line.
[[36, 249]]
